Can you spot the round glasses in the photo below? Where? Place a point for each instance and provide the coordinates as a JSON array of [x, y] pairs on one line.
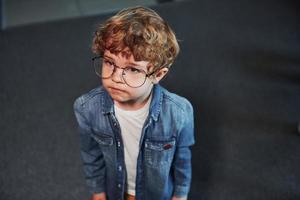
[[133, 76]]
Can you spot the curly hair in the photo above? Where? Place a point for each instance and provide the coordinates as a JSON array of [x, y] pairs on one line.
[[138, 31]]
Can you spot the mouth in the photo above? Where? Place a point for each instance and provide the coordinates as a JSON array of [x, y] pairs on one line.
[[116, 89]]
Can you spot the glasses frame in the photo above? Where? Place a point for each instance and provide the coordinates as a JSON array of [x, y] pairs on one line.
[[147, 75]]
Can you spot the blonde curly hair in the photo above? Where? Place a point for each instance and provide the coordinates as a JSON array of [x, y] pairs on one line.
[[138, 31]]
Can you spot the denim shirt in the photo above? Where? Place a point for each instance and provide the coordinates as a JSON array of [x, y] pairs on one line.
[[164, 159]]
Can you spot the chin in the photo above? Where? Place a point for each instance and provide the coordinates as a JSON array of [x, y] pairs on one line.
[[118, 98]]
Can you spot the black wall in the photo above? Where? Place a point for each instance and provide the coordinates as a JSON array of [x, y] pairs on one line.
[[1, 13], [239, 65]]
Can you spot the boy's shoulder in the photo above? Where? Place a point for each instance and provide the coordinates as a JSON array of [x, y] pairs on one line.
[[176, 100], [89, 97]]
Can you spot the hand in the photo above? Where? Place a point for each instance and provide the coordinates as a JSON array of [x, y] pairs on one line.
[[179, 198], [99, 196]]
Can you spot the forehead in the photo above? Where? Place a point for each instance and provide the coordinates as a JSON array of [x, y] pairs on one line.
[[122, 59]]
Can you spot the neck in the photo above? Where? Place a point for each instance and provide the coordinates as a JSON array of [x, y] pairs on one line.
[[133, 104]]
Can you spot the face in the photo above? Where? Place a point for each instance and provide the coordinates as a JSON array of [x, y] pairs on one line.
[[123, 95]]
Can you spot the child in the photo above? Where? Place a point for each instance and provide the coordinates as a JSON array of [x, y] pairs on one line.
[[135, 135]]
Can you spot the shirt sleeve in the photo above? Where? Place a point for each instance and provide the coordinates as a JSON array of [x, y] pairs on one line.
[[91, 154], [182, 161]]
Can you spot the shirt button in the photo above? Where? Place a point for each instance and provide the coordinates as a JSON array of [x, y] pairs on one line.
[[119, 144], [119, 185], [120, 168], [115, 124]]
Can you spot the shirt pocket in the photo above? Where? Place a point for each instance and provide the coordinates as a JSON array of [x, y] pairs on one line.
[[105, 143], [103, 139], [159, 153]]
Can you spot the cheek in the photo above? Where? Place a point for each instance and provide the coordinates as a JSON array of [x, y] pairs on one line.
[[143, 90], [104, 83], [133, 92]]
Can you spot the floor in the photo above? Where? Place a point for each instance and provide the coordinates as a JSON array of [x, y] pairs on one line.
[[19, 13], [239, 66]]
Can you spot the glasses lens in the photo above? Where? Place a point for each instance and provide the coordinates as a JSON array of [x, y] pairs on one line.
[[134, 77], [101, 69]]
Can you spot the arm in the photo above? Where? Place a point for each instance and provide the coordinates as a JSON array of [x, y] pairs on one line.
[[91, 154], [179, 198], [99, 196], [182, 167]]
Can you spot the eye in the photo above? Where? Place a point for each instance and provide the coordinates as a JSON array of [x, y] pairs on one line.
[[133, 70], [108, 63]]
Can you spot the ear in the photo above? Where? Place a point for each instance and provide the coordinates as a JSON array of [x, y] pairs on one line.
[[159, 75]]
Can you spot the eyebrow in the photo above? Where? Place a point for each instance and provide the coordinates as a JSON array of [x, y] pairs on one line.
[[130, 63], [108, 57]]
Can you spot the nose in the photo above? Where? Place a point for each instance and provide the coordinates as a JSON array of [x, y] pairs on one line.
[[117, 75]]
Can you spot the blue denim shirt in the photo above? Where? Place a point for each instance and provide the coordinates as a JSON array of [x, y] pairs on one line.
[[164, 160]]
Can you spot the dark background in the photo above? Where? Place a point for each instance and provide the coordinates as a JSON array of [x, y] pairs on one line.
[[239, 66], [1, 15]]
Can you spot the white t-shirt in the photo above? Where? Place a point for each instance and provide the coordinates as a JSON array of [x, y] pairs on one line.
[[131, 123]]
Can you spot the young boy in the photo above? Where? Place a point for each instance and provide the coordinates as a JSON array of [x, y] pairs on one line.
[[135, 135]]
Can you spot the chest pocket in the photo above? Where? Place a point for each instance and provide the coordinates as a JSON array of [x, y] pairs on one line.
[[103, 139], [159, 153], [106, 145]]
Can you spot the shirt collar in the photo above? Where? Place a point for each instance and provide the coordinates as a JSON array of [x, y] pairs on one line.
[[155, 106], [156, 102], [107, 103]]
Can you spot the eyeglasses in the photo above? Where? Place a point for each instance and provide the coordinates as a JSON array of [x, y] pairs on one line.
[[131, 75]]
